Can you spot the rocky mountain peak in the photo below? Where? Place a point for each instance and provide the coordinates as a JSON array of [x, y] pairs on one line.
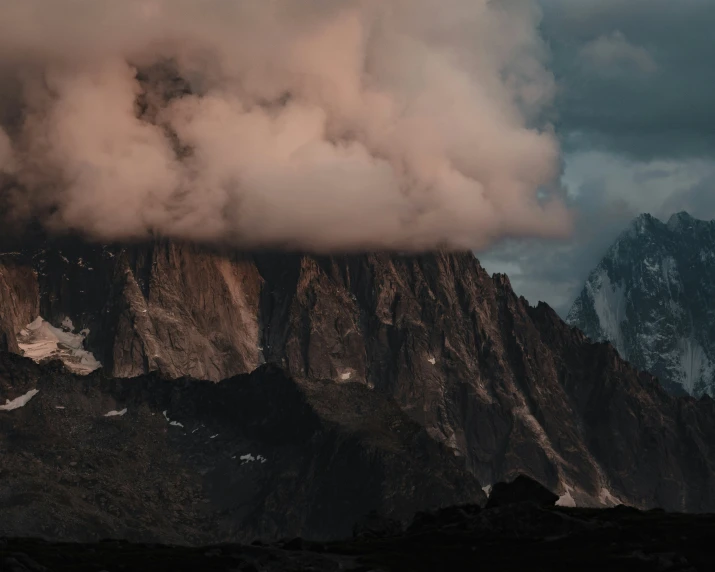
[[652, 297], [681, 221]]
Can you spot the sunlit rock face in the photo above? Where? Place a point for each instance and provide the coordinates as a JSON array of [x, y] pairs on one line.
[[164, 307], [653, 297]]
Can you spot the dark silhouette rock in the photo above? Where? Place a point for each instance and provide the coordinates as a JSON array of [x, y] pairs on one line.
[[521, 489], [445, 518], [514, 537], [374, 525]]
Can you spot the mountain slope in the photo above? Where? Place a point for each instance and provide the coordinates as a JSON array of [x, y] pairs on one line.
[[193, 462], [653, 297], [165, 307], [508, 388]]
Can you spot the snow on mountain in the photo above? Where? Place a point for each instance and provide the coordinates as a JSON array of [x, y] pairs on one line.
[[40, 341], [653, 297], [18, 402]]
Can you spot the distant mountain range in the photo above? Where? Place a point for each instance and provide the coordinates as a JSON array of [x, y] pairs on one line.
[[653, 297], [356, 375]]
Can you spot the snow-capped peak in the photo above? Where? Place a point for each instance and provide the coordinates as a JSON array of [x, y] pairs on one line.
[[653, 297]]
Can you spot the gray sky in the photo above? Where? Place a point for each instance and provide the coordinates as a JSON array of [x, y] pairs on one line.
[[635, 117]]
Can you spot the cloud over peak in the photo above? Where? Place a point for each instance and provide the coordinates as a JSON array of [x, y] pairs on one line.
[[321, 124]]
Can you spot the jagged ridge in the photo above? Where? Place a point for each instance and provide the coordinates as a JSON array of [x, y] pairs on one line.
[[509, 388]]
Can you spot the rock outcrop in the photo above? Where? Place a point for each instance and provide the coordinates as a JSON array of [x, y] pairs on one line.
[[521, 489]]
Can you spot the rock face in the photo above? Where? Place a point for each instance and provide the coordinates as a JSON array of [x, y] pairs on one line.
[[183, 461], [161, 307], [508, 388], [653, 297]]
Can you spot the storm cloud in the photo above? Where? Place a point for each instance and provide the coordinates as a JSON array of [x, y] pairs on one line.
[[636, 78], [321, 124]]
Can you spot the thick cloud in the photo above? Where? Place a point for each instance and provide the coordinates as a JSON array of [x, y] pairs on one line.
[[635, 77], [325, 124]]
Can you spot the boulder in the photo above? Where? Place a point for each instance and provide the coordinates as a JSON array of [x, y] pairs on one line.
[[521, 489]]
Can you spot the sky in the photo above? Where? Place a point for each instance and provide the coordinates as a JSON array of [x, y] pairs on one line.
[[528, 131], [636, 122]]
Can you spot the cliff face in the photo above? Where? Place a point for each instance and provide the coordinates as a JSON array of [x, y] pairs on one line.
[[652, 297], [19, 299], [508, 388], [163, 307]]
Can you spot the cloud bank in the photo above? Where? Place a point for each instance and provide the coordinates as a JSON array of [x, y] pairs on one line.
[[321, 124]]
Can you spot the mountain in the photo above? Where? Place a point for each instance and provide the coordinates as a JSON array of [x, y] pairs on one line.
[[653, 297], [506, 387]]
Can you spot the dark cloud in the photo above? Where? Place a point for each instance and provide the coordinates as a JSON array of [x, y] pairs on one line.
[[636, 77]]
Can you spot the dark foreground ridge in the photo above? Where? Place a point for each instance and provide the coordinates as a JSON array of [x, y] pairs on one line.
[[521, 536], [195, 463]]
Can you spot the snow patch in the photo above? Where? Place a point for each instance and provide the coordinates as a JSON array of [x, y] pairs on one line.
[[694, 364], [345, 376], [651, 266], [174, 423], [116, 413], [248, 458], [487, 490], [432, 360], [566, 499], [19, 401], [40, 341]]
